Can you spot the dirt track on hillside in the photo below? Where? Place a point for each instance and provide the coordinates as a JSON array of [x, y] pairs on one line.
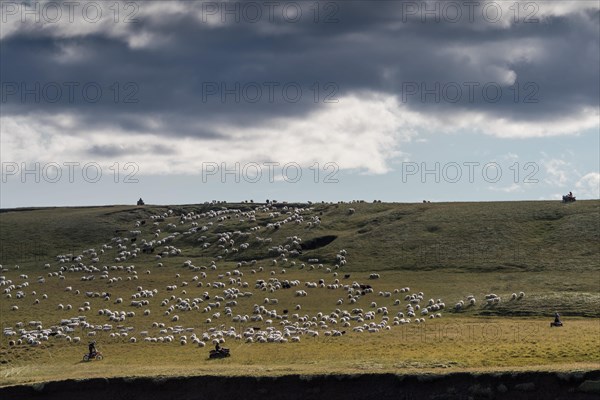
[[454, 386]]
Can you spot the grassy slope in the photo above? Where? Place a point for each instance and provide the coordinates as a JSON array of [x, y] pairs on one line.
[[447, 250], [482, 237]]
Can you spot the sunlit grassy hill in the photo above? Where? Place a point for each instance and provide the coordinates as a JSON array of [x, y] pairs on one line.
[[142, 279]]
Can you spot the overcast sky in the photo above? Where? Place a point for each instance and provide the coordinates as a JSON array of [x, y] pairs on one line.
[[188, 101]]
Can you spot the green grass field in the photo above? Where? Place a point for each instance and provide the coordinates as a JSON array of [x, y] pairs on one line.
[[448, 251]]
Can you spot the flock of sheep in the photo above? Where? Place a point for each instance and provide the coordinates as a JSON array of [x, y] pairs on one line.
[[220, 301]]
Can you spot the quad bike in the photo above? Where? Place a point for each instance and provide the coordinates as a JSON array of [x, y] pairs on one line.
[[219, 353], [95, 356], [554, 323], [568, 199]]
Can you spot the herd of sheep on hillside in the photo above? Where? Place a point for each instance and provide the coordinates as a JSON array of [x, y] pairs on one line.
[[214, 289]]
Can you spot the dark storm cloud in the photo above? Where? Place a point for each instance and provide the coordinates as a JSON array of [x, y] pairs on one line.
[[174, 84]]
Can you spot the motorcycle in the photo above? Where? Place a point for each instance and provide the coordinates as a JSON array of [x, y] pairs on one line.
[[95, 356], [219, 353]]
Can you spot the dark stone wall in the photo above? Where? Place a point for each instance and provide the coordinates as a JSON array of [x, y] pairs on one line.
[[453, 386]]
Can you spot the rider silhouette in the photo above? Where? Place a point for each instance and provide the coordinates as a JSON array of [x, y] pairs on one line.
[[92, 348]]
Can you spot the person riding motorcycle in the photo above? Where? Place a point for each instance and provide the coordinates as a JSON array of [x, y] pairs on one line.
[[92, 349]]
